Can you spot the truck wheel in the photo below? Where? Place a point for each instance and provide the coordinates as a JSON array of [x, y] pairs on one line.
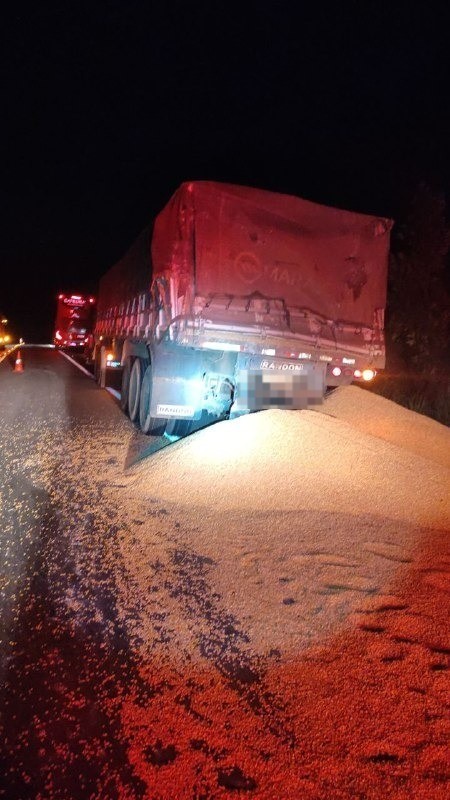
[[179, 427], [125, 384], [97, 367], [134, 388], [149, 424]]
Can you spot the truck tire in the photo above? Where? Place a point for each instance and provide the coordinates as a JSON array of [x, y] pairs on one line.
[[148, 424], [125, 384], [134, 388], [97, 367]]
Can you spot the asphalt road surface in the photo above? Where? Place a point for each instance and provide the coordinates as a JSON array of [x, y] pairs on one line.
[[54, 675], [133, 663]]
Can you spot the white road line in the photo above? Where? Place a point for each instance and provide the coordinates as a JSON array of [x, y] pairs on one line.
[[8, 352], [114, 393], [31, 344], [72, 360]]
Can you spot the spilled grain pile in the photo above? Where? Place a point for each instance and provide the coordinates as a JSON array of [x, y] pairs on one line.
[[300, 564], [347, 458]]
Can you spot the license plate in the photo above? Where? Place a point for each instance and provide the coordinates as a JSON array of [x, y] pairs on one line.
[[265, 383]]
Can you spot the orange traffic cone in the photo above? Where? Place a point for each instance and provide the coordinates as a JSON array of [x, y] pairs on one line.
[[18, 366]]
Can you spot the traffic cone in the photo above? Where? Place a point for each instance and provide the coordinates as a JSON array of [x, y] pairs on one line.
[[18, 366]]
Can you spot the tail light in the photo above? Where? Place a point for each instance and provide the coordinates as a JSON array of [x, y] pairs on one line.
[[58, 336], [336, 371], [368, 374]]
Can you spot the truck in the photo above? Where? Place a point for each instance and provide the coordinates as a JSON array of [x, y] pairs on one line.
[[239, 299], [74, 321]]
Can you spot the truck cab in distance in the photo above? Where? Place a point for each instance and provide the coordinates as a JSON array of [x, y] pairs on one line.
[[74, 320]]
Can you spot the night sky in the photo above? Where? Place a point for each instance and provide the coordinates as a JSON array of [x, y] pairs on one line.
[[108, 106]]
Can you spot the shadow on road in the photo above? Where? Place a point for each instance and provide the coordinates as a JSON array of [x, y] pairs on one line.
[[59, 732]]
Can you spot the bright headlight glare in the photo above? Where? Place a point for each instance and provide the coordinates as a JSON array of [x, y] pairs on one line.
[[368, 374]]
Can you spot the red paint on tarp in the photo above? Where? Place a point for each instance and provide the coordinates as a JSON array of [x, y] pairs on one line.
[[236, 240]]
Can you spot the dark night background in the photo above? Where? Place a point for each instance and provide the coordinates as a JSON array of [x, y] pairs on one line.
[[108, 106]]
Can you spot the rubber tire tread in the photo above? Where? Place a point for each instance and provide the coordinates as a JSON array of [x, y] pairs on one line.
[[126, 372], [136, 376], [151, 426]]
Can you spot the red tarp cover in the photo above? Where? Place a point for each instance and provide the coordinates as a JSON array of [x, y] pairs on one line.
[[236, 240], [130, 276]]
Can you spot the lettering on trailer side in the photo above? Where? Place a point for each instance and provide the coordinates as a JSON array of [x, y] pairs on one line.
[[170, 410], [283, 367], [74, 301]]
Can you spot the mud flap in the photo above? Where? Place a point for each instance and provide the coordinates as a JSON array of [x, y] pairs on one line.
[[179, 398]]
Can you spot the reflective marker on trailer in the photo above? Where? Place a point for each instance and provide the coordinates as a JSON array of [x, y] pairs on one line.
[[336, 371], [171, 410], [222, 346], [357, 373], [111, 361]]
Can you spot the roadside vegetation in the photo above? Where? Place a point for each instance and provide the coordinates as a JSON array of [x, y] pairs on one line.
[[429, 396], [418, 310]]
